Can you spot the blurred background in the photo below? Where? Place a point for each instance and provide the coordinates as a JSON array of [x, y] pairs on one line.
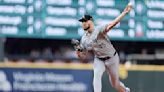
[[36, 53]]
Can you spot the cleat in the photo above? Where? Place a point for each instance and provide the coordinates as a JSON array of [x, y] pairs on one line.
[[127, 90]]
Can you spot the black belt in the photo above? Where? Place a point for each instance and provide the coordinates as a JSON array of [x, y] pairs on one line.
[[106, 58]]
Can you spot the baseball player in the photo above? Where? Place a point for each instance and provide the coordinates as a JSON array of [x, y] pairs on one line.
[[105, 56]]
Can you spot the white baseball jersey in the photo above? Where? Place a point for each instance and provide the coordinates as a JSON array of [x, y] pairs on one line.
[[98, 43]]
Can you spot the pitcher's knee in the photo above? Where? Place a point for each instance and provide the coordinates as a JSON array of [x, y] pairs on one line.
[[97, 76], [98, 73]]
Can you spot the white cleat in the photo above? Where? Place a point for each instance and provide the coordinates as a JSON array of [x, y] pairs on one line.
[[127, 89]]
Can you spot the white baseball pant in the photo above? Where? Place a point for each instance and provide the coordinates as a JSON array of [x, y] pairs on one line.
[[112, 67]]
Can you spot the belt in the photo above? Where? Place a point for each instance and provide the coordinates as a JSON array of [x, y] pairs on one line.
[[106, 58]]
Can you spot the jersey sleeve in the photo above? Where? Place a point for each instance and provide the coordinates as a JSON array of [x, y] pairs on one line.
[[102, 28], [82, 44]]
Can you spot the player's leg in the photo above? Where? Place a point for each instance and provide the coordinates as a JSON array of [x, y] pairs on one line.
[[112, 67], [99, 69]]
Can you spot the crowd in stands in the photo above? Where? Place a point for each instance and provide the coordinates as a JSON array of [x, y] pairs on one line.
[[52, 51]]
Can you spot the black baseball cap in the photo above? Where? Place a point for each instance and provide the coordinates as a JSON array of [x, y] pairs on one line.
[[85, 18]]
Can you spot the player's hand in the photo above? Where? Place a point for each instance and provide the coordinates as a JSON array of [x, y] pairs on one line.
[[81, 55], [78, 53], [128, 8]]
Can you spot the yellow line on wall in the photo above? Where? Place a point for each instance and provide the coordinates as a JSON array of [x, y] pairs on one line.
[[48, 65], [79, 66], [146, 68]]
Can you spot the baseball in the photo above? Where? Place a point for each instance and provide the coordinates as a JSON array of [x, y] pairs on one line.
[[129, 4]]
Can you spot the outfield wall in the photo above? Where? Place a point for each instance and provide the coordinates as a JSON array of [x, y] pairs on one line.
[[44, 77], [61, 77]]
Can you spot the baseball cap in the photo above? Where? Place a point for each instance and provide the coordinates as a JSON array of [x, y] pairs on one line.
[[85, 18]]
